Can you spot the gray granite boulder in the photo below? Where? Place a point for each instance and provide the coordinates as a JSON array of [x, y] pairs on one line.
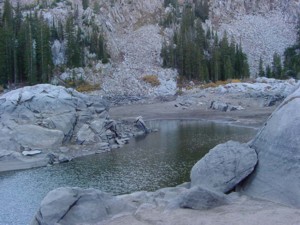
[[277, 175], [224, 167], [66, 206]]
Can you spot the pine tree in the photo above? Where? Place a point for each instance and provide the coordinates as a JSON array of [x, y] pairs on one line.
[[3, 75], [73, 49], [85, 4], [298, 32], [173, 3], [215, 60], [291, 61], [29, 51], [43, 51], [96, 7], [9, 40], [268, 72], [202, 9], [292, 57], [241, 63], [18, 50], [261, 71], [277, 66], [225, 63]]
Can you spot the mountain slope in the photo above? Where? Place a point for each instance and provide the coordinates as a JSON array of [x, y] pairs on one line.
[[263, 27], [135, 37]]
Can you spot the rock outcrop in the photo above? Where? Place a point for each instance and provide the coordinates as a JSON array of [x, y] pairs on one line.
[[276, 176], [45, 117], [224, 167]]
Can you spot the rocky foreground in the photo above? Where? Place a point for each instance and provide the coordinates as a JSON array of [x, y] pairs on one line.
[[46, 124], [267, 167]]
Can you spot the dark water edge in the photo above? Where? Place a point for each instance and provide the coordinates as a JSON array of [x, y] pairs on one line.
[[150, 162]]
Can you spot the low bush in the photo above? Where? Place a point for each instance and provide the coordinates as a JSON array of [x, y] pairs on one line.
[[151, 79]]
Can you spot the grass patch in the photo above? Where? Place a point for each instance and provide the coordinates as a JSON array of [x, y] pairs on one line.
[[151, 79], [87, 87], [81, 85]]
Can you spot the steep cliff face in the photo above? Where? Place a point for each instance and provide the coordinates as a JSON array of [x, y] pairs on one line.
[[262, 26]]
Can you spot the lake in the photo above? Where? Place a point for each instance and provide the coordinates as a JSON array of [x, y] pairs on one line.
[[150, 162]]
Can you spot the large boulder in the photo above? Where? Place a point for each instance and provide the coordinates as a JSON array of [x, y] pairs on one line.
[[224, 166], [68, 206], [277, 175], [46, 116]]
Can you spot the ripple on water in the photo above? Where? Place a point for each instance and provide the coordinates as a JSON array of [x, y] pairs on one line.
[[147, 163]]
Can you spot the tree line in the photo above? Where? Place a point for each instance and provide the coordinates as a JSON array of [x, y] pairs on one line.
[[201, 55], [288, 67], [26, 40]]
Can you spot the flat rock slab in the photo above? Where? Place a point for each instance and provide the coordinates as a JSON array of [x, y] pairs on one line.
[[224, 166], [201, 198]]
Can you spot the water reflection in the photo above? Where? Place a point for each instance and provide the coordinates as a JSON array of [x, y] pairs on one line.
[[148, 162]]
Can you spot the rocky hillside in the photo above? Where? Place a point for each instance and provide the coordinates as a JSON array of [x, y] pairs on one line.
[[263, 27], [135, 37]]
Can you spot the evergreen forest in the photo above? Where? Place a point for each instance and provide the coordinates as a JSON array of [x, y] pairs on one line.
[[201, 55], [26, 40]]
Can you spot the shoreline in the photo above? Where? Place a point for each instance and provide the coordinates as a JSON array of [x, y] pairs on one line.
[[250, 117], [253, 117]]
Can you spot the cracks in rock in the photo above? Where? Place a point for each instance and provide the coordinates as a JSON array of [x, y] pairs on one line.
[[69, 136], [69, 209]]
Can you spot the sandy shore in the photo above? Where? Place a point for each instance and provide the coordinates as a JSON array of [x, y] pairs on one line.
[[252, 116]]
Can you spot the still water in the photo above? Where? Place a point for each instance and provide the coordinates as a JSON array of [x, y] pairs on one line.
[[150, 162]]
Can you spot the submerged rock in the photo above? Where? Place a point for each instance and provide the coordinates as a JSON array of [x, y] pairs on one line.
[[276, 176], [224, 166]]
